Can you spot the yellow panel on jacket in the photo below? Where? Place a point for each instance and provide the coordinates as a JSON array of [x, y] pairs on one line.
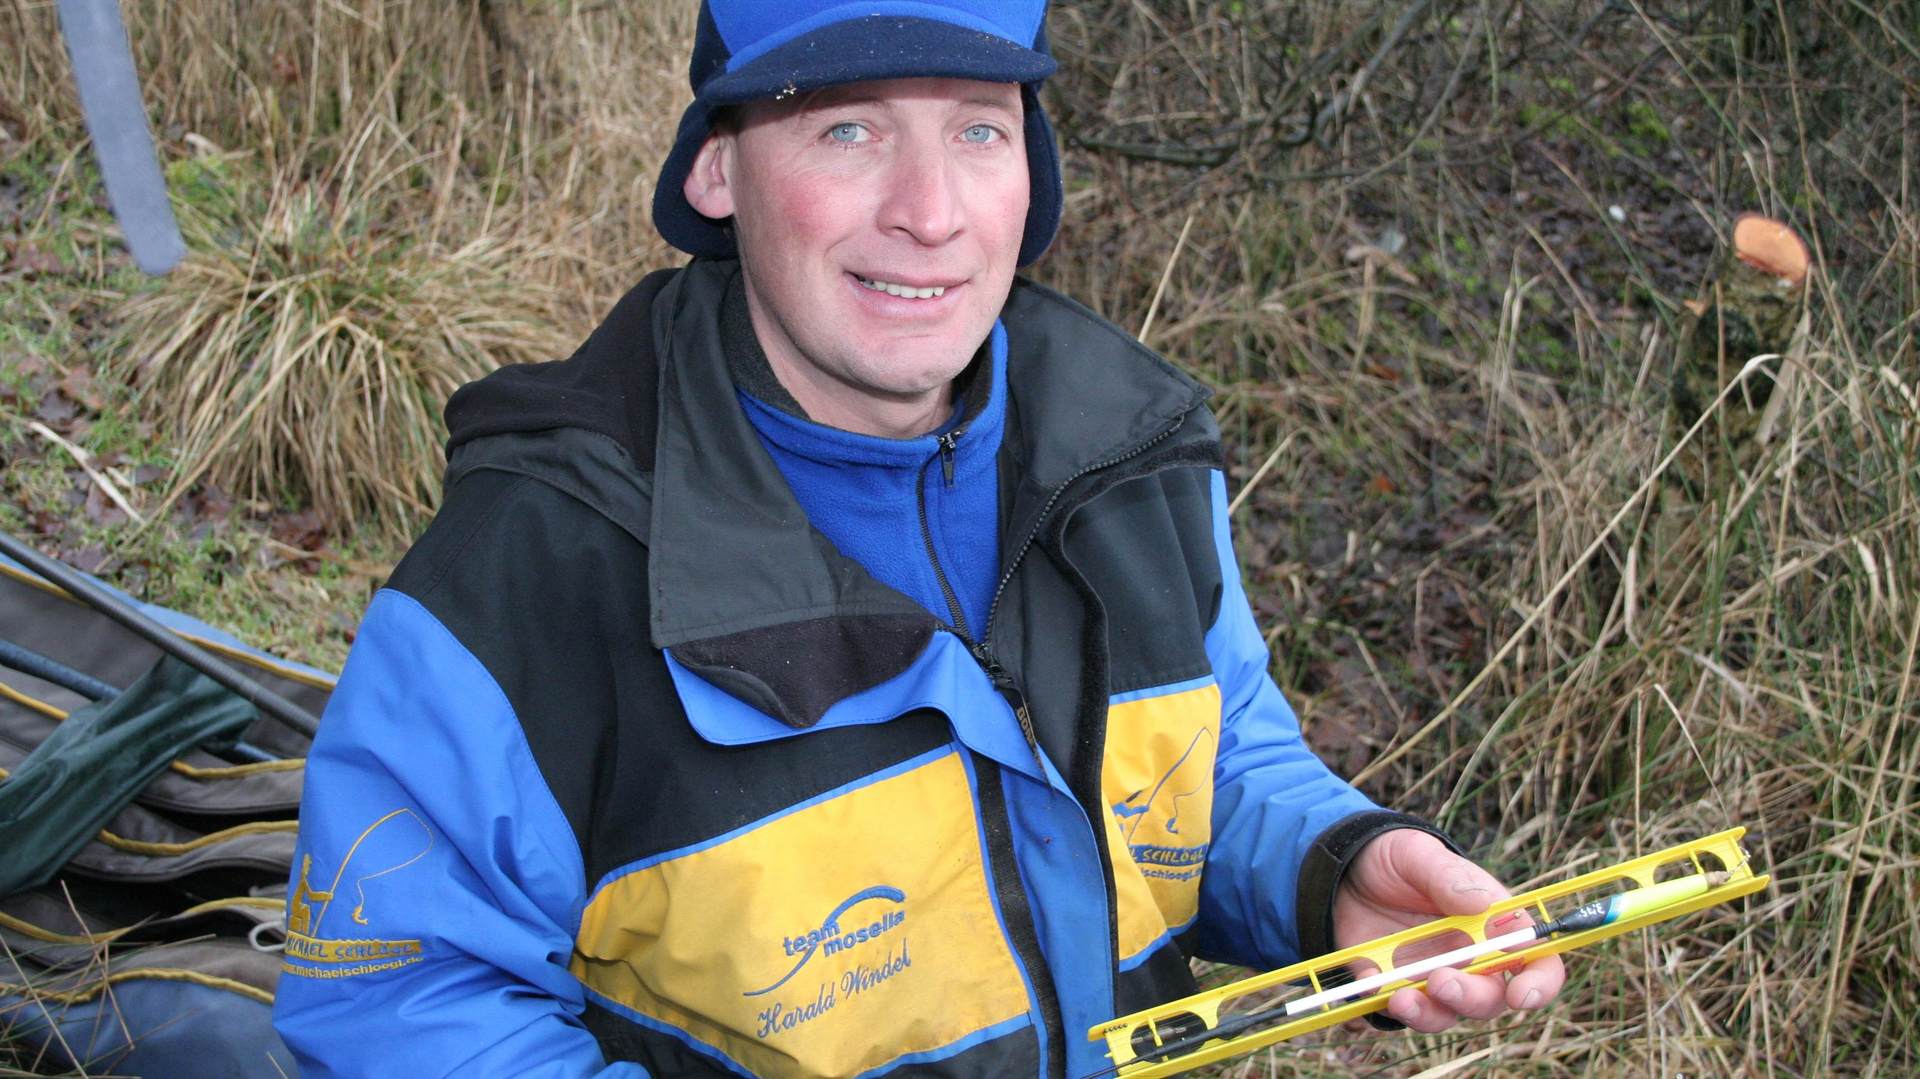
[[1158, 782], [831, 939]]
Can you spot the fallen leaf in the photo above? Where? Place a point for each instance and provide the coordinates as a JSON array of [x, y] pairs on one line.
[[78, 484], [88, 559], [31, 370], [79, 385], [101, 509], [30, 259], [57, 411], [206, 503], [1380, 484], [306, 530]]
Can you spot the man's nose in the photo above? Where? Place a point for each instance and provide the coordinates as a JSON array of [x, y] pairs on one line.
[[923, 197]]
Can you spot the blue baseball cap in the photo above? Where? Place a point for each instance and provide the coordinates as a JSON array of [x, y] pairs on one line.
[[750, 50]]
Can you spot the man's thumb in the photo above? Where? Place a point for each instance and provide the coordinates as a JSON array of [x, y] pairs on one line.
[[1451, 883]]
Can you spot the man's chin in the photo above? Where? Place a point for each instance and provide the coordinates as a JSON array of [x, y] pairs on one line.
[[908, 378]]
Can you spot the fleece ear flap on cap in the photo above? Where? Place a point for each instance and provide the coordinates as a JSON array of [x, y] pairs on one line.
[[1043, 171], [683, 226]]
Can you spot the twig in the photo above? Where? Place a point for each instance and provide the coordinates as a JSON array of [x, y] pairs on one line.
[[1165, 275], [1333, 110], [85, 461], [1205, 157], [1261, 472]]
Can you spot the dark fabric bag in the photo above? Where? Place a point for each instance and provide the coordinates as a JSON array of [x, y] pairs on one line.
[[99, 758]]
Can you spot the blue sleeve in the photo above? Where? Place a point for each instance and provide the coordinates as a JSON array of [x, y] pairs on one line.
[[1273, 798], [437, 885]]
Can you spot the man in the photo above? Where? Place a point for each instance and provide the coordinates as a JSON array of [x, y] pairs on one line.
[[839, 664]]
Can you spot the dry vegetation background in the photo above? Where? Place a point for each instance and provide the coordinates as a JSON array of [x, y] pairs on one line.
[[1434, 258]]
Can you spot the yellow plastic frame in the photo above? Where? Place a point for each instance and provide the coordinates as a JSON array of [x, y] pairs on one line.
[[1642, 871]]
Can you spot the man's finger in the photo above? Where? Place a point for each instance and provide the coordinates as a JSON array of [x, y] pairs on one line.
[[1535, 986], [1480, 996], [1421, 1012], [1461, 887]]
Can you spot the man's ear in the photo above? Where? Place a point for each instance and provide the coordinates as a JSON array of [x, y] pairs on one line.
[[708, 186]]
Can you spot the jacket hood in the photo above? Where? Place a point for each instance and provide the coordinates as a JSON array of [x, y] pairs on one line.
[[608, 386]]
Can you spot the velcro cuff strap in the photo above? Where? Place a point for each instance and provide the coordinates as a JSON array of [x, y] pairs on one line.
[[1326, 866]]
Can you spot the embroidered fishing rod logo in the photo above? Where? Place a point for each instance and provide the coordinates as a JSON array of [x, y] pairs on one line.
[[1165, 850], [386, 846], [860, 920]]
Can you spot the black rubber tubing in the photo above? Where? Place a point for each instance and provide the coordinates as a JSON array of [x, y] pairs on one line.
[[52, 670]]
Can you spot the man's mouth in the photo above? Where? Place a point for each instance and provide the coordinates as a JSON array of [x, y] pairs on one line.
[[905, 292]]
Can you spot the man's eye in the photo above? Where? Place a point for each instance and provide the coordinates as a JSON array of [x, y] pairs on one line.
[[980, 133], [848, 132]]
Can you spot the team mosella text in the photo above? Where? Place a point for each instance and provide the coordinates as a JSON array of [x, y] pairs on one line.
[[831, 941]]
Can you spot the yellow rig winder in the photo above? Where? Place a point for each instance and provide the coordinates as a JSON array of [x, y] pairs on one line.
[[1317, 993]]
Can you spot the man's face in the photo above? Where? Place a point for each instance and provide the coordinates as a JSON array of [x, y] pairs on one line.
[[878, 225]]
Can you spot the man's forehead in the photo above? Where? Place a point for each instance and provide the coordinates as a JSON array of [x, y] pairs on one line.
[[894, 93]]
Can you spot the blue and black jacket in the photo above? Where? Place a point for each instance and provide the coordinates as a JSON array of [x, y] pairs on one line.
[[631, 769]]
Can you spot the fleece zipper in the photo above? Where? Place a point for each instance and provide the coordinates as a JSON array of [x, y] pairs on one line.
[[945, 456]]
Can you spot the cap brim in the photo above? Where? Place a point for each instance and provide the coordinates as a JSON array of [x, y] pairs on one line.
[[857, 50]]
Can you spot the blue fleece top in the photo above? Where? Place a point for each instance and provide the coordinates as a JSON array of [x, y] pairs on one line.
[[864, 494]]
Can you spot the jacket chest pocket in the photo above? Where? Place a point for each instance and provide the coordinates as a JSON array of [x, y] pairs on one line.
[[830, 938], [1157, 778]]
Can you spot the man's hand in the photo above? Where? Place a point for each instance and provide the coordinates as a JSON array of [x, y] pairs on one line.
[[1406, 878]]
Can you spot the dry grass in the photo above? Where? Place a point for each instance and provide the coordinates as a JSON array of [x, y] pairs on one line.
[[411, 198], [1448, 325], [313, 365], [1445, 322]]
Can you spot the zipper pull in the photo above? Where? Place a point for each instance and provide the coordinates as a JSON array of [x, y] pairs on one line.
[[1025, 718], [1010, 689], [946, 455]]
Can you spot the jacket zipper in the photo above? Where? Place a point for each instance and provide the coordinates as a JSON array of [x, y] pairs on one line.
[[947, 442], [947, 593], [1046, 510], [982, 649], [1005, 870], [1002, 680]]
